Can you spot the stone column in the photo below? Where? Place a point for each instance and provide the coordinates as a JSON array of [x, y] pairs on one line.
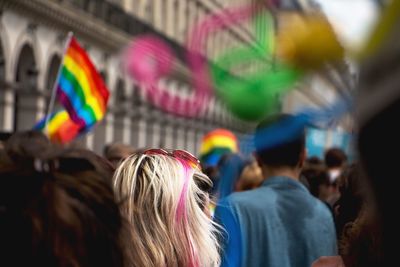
[[109, 127], [142, 133], [159, 14], [156, 142], [8, 116], [182, 21], [90, 140], [191, 141], [169, 142], [180, 135], [135, 130], [126, 134], [170, 17]]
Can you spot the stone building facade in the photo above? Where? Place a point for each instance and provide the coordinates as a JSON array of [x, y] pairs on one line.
[[32, 34]]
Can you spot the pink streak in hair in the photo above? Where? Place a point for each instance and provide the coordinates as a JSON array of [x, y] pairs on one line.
[[181, 212]]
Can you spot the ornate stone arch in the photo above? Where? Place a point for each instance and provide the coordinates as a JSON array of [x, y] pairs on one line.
[[5, 75], [54, 56], [25, 64], [26, 38], [5, 52]]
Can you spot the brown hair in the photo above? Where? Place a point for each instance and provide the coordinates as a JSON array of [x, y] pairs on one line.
[[335, 157], [361, 242], [59, 211], [250, 178]]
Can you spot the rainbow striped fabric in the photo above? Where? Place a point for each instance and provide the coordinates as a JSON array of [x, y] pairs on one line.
[[60, 128], [215, 144], [80, 88]]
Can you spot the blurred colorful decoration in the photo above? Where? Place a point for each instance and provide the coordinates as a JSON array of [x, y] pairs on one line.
[[303, 42], [215, 144], [60, 127], [158, 60], [148, 59], [383, 29], [288, 129], [255, 95], [82, 92], [308, 41], [153, 54]]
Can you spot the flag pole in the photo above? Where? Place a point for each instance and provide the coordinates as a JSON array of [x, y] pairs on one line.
[[54, 90]]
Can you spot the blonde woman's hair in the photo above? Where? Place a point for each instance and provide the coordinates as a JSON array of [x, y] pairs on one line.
[[161, 198]]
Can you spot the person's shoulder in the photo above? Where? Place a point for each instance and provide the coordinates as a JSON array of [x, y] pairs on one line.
[[322, 208], [262, 195]]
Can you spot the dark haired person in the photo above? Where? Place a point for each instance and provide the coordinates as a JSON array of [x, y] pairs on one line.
[[335, 161], [352, 193], [319, 183], [58, 209], [280, 223], [27, 144], [117, 152]]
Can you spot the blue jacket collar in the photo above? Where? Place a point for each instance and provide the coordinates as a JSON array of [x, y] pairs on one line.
[[285, 182]]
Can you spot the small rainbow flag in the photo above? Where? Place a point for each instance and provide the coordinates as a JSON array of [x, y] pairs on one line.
[[215, 144], [80, 88], [60, 128]]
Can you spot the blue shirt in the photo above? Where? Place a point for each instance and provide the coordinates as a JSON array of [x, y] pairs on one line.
[[279, 224]]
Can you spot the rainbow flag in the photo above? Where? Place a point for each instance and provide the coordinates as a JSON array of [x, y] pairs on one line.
[[80, 88], [60, 128], [215, 144]]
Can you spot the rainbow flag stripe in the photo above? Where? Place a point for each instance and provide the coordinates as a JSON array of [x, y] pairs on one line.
[[219, 138], [80, 87], [60, 128], [215, 144]]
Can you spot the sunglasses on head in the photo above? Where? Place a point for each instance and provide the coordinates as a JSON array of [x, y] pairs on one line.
[[189, 159], [179, 154]]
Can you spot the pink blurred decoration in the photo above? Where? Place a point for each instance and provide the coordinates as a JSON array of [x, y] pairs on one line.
[[208, 26], [149, 58]]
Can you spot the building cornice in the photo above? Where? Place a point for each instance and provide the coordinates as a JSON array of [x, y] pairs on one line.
[[66, 17]]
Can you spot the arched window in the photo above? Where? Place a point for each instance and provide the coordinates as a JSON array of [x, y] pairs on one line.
[[137, 96], [26, 96], [2, 84], [52, 72], [100, 127]]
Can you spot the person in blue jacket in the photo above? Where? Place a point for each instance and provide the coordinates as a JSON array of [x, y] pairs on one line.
[[279, 224]]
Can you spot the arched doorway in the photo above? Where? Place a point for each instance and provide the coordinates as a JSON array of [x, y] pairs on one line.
[[26, 95], [100, 128], [3, 84], [135, 116], [52, 73]]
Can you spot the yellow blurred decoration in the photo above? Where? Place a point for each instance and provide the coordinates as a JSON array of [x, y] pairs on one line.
[[307, 41], [385, 25]]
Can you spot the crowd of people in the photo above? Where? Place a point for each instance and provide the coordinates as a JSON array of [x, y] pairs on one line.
[[155, 207], [67, 206]]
